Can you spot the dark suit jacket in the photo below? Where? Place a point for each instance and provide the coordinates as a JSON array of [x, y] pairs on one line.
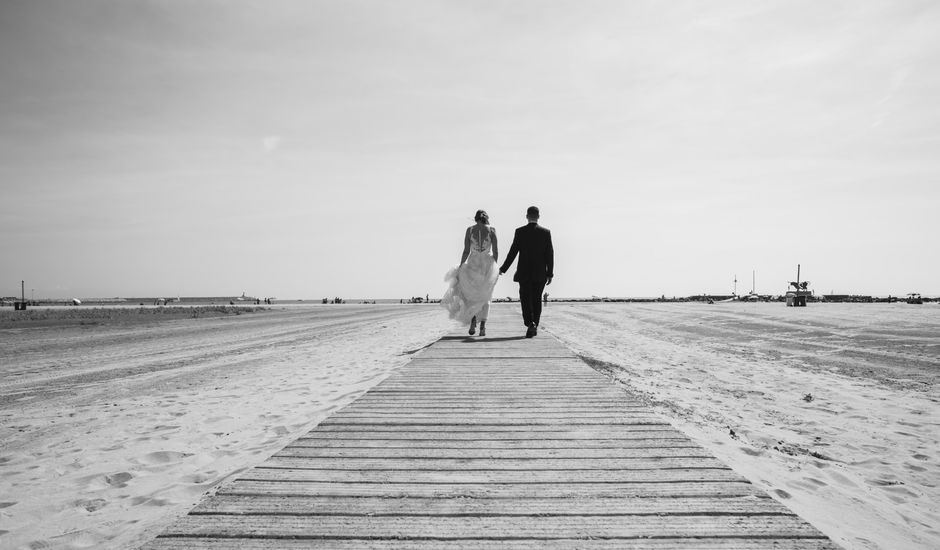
[[533, 243]]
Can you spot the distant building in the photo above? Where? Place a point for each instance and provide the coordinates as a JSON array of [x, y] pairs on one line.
[[852, 298]]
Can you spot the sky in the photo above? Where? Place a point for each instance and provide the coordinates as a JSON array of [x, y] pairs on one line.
[[305, 149]]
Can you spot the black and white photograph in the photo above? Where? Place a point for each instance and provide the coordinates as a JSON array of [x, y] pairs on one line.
[[475, 274]]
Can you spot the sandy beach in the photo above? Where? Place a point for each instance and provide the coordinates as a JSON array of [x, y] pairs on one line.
[[111, 428], [832, 409]]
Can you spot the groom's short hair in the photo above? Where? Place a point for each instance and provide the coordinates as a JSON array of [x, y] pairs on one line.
[[532, 213]]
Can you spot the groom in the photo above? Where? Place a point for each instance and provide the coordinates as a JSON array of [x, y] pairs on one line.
[[533, 243]]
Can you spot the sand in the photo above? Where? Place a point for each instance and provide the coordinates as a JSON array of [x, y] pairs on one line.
[[112, 429], [833, 409]]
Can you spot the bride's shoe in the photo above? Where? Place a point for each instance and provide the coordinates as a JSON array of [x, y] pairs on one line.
[[473, 326], [482, 328]]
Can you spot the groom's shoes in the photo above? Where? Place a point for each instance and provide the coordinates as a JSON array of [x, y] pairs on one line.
[[532, 330]]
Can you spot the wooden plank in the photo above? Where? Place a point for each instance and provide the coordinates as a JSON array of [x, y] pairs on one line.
[[573, 411], [469, 353], [622, 420], [364, 409], [536, 391], [569, 363], [484, 388], [448, 528], [495, 490], [541, 447], [531, 395], [292, 460], [534, 395], [539, 353], [488, 388], [475, 452], [313, 505], [489, 417], [456, 431], [675, 543], [490, 405], [559, 476], [398, 400], [492, 440]]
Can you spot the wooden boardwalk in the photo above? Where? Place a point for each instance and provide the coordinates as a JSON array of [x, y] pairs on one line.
[[498, 442]]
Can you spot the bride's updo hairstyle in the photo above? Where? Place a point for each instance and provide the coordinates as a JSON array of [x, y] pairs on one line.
[[482, 216]]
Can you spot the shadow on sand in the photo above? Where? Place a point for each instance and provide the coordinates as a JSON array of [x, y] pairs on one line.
[[470, 339]]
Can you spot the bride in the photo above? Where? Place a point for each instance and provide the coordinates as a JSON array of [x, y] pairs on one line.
[[470, 285]]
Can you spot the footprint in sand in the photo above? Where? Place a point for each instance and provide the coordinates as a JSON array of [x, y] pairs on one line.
[[77, 539], [199, 477], [840, 479], [6, 504], [899, 494], [163, 457], [220, 454], [751, 452], [137, 501], [884, 482], [118, 480], [91, 505], [166, 427]]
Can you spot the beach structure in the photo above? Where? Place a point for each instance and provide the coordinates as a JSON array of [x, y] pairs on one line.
[[492, 443], [752, 296], [796, 297], [20, 305]]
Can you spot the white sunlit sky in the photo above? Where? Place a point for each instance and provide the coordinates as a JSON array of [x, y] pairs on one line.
[[305, 149]]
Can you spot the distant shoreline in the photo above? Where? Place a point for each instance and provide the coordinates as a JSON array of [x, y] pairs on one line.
[[239, 301]]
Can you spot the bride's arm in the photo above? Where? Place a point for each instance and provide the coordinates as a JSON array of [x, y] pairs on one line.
[[466, 247], [495, 248]]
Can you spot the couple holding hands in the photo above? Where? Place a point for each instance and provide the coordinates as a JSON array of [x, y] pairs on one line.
[[470, 285]]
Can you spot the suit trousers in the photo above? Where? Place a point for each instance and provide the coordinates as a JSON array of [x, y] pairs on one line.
[[530, 298]]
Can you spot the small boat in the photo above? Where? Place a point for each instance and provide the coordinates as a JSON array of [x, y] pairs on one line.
[[914, 298]]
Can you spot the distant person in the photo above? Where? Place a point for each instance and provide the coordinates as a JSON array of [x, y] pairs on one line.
[[470, 284], [533, 243]]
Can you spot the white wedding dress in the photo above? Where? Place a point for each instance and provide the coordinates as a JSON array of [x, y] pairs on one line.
[[470, 286]]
